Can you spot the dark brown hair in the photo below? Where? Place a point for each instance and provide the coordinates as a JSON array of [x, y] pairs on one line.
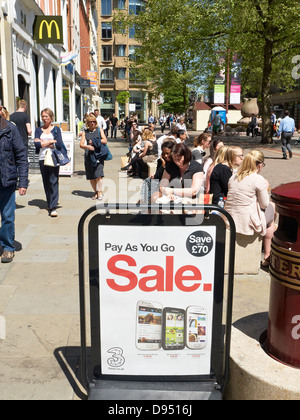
[[182, 150]]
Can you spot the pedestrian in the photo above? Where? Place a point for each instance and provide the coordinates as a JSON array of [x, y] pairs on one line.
[[216, 123], [150, 119], [107, 122], [100, 120], [181, 125], [249, 204], [21, 119], [48, 137], [286, 130], [273, 123], [114, 126], [91, 141], [13, 166]]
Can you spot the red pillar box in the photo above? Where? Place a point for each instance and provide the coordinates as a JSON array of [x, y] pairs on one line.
[[283, 338]]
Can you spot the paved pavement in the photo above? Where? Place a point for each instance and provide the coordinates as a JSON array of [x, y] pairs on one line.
[[39, 300]]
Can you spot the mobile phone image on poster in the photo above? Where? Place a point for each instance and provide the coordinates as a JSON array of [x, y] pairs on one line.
[[156, 299], [149, 325]]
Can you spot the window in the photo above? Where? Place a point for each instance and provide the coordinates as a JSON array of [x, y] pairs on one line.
[[106, 53], [106, 30], [133, 51], [132, 32], [121, 50], [107, 76], [122, 73], [136, 6], [134, 77], [106, 7], [122, 4], [107, 97]]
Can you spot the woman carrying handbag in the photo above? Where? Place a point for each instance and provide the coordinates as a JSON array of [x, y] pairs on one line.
[[92, 140], [47, 138]]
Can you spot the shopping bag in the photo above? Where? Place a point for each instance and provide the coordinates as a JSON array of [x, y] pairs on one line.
[[49, 159]]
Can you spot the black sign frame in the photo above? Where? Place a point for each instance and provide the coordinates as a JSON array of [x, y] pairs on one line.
[[94, 381]]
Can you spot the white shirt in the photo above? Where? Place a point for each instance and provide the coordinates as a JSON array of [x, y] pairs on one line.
[[101, 122], [45, 137]]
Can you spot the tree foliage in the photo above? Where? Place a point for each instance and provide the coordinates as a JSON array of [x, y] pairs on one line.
[[180, 41]]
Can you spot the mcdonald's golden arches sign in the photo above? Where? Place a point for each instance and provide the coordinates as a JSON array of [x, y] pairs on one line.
[[48, 30]]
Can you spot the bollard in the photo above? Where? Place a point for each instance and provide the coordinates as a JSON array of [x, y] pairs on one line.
[[283, 336]]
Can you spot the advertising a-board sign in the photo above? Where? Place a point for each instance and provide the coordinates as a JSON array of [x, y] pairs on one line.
[[156, 299]]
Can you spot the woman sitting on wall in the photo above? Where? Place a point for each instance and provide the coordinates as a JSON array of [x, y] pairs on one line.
[[248, 201]]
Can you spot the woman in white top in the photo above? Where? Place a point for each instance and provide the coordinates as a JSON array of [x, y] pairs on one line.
[[181, 126], [47, 138], [248, 201]]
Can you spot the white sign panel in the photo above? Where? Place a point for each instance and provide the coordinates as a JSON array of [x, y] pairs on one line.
[[132, 107], [68, 139], [156, 299]]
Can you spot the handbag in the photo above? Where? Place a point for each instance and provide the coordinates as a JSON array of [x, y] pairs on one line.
[[60, 157], [104, 152], [49, 159], [109, 156]]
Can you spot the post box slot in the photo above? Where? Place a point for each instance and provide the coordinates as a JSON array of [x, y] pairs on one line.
[[287, 229]]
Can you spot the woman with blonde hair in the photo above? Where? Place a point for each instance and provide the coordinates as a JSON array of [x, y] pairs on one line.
[[248, 201], [219, 157], [223, 171], [49, 137], [148, 154], [92, 139]]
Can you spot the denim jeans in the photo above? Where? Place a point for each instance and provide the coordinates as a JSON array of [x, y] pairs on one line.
[[7, 212], [113, 131]]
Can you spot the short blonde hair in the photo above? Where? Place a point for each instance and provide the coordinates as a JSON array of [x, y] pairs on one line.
[[91, 118], [250, 163], [49, 112]]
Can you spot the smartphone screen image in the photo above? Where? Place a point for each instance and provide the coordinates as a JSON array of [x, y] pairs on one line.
[[173, 329], [149, 325], [196, 327]]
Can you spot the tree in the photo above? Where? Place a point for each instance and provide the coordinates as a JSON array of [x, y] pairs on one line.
[[267, 34], [123, 98], [167, 57]]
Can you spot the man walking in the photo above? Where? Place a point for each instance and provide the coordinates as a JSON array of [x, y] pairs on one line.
[[216, 123], [286, 130], [22, 121], [13, 164], [114, 125], [100, 120]]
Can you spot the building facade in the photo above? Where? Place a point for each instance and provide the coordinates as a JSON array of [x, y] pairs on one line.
[[37, 71], [114, 51]]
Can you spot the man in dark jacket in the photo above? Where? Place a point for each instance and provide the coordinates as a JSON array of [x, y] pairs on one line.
[[13, 165]]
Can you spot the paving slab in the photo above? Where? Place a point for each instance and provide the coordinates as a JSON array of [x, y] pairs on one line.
[[39, 290]]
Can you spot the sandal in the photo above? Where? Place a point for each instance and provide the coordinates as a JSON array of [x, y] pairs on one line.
[[266, 262], [100, 196], [95, 196]]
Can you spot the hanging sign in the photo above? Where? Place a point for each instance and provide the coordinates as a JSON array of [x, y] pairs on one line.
[[48, 30]]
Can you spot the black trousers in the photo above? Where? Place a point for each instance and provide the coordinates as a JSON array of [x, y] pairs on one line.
[[50, 178]]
